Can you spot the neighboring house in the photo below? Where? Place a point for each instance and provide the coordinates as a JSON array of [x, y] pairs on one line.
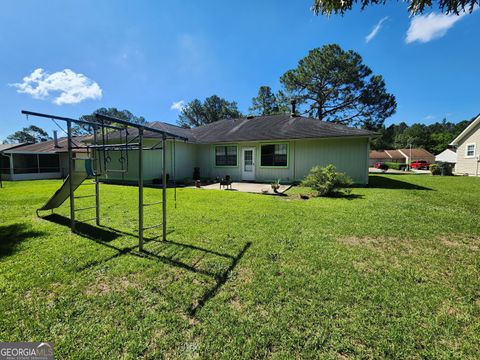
[[416, 154], [405, 156], [259, 149], [447, 156], [468, 149], [385, 156], [5, 160], [43, 160]]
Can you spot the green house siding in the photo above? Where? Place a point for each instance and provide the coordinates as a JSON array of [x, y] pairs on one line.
[[185, 161], [349, 155]]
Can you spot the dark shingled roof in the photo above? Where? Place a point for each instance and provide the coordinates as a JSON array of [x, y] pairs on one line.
[[272, 127], [173, 129]]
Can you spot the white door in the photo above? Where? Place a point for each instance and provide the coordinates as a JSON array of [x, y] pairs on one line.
[[248, 163]]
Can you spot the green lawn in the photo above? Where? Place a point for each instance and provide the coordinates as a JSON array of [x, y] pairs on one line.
[[392, 271]]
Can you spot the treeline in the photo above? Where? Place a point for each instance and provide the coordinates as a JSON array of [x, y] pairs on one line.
[[434, 137]]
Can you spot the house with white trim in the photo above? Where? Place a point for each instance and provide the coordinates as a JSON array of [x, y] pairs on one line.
[[468, 149]]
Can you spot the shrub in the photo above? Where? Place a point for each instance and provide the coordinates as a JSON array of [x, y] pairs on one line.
[[396, 166], [435, 169], [327, 181]]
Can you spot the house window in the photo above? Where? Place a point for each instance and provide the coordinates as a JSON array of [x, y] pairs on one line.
[[225, 156], [274, 155], [470, 150]]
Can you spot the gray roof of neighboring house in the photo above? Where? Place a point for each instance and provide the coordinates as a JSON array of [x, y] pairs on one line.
[[49, 147], [447, 155], [4, 147]]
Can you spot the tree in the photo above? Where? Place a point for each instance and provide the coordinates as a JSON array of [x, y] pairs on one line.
[[417, 135], [213, 108], [335, 85], [434, 137], [265, 103], [31, 134], [415, 7], [113, 112]]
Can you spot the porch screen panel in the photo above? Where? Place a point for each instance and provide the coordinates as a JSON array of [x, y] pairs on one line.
[[49, 163]]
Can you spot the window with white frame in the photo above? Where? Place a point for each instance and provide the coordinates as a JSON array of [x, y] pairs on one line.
[[470, 150], [225, 156]]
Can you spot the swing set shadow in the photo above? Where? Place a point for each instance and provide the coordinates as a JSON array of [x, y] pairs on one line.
[[104, 235]]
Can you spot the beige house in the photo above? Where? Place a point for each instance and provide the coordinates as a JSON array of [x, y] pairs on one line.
[[468, 149]]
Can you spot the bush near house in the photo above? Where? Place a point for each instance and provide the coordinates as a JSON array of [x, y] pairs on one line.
[[396, 166], [327, 181]]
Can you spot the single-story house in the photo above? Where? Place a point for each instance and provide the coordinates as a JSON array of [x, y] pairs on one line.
[[467, 145], [385, 156], [5, 160], [43, 160], [260, 149], [404, 156]]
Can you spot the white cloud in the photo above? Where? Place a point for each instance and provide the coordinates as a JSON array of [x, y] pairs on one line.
[[67, 86], [424, 28], [375, 30], [178, 105], [429, 117]]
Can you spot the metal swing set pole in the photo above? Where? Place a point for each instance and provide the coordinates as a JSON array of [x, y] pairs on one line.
[[140, 190], [70, 175], [103, 126], [97, 183], [164, 188]]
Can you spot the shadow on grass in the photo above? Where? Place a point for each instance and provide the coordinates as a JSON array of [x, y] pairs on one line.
[[220, 280], [381, 182], [12, 235], [105, 235], [83, 229], [346, 196]]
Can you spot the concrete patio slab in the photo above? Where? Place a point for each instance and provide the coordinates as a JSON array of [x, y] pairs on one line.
[[255, 188]]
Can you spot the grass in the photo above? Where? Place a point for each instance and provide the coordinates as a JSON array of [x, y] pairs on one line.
[[392, 272]]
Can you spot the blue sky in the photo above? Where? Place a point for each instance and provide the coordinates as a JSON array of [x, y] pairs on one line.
[[146, 55]]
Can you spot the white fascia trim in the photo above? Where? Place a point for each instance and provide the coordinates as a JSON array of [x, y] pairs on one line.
[[466, 131]]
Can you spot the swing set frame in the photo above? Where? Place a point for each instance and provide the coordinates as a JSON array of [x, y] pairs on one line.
[[100, 147]]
